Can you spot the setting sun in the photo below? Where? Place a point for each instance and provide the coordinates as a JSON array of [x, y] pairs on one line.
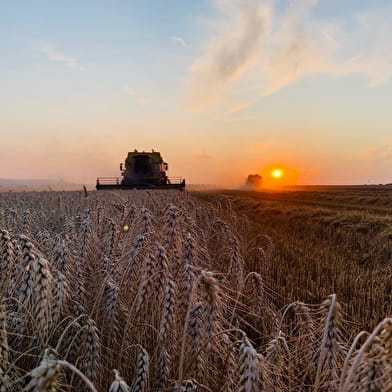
[[280, 174], [277, 173]]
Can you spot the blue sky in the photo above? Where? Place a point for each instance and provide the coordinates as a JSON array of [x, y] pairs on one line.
[[201, 81]]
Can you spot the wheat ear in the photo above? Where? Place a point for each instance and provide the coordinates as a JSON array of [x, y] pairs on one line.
[[249, 368], [142, 371], [118, 385]]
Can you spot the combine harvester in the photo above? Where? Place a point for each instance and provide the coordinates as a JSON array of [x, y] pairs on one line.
[[143, 170]]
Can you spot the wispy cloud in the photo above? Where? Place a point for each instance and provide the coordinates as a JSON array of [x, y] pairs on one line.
[[203, 155], [256, 50], [257, 147], [180, 41], [230, 52], [381, 153], [139, 98], [144, 99], [55, 55], [128, 90]]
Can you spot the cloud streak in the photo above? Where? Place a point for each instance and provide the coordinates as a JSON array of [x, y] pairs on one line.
[[140, 99], [128, 90], [230, 52], [55, 55], [203, 155], [382, 153], [257, 49], [180, 41]]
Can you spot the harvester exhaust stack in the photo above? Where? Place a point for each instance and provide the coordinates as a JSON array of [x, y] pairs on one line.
[[142, 170]]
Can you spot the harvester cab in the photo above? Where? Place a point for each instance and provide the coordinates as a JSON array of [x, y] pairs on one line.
[[142, 170]]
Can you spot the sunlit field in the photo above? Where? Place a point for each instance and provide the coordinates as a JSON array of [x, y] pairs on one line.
[[201, 291]]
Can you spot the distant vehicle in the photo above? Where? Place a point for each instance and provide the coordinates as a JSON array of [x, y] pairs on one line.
[[254, 181], [142, 170]]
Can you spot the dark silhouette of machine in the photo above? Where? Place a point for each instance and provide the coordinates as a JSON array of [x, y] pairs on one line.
[[254, 181], [142, 170]]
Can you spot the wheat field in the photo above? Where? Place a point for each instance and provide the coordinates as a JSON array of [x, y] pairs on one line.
[[162, 291]]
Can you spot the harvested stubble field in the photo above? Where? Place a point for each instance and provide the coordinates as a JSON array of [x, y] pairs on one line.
[[327, 239], [147, 291]]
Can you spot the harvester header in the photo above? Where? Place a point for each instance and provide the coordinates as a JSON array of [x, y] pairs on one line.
[[142, 170]]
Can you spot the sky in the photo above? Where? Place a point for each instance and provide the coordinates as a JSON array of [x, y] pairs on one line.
[[222, 88]]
